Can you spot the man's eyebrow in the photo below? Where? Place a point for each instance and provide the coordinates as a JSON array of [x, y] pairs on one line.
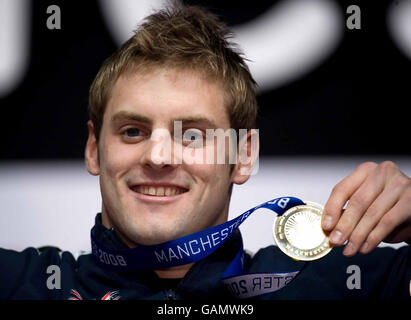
[[200, 120], [126, 115]]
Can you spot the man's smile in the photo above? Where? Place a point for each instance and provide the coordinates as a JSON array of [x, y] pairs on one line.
[[156, 190]]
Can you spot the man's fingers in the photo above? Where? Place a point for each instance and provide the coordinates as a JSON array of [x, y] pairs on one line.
[[379, 182], [379, 198], [358, 204], [385, 226], [373, 214], [342, 192]]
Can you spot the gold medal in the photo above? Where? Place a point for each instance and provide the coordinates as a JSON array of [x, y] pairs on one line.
[[298, 232]]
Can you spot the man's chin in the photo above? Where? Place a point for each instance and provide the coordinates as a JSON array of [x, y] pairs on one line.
[[151, 237], [152, 241]]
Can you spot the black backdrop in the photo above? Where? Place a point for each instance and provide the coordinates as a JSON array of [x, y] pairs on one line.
[[356, 102]]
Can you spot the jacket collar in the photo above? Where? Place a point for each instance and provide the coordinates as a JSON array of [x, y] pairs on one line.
[[107, 236]]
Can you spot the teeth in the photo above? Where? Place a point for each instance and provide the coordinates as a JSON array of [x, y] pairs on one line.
[[158, 191]]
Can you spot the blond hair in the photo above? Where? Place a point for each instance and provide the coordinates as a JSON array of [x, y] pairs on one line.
[[182, 37]]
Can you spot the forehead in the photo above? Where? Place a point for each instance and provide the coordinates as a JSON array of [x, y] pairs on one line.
[[168, 94]]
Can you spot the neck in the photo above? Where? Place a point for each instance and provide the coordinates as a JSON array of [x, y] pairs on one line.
[[177, 272]]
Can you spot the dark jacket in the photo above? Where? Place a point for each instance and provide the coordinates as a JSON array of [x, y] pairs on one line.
[[385, 273]]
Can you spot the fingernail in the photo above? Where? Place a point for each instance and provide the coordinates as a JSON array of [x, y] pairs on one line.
[[336, 236], [349, 249], [327, 221], [364, 247]]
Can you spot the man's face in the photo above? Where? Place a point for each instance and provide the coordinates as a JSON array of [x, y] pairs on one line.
[[148, 202]]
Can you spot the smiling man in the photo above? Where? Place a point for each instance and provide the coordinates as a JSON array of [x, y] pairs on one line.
[[167, 73], [179, 70]]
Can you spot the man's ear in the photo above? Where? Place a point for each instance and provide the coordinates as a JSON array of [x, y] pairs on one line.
[[247, 156], [91, 151]]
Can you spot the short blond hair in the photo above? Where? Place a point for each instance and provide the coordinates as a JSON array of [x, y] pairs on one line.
[[182, 37]]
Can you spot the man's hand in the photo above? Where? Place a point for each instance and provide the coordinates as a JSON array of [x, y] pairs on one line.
[[378, 209]]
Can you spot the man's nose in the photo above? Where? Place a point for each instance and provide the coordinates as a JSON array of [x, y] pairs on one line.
[[160, 150]]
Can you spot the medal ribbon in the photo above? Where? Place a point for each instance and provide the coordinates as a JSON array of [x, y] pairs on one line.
[[196, 246]]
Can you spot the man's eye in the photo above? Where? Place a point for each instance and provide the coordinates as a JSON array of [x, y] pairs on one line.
[[132, 132], [193, 137]]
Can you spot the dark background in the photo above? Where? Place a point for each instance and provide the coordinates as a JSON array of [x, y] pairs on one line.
[[356, 102]]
